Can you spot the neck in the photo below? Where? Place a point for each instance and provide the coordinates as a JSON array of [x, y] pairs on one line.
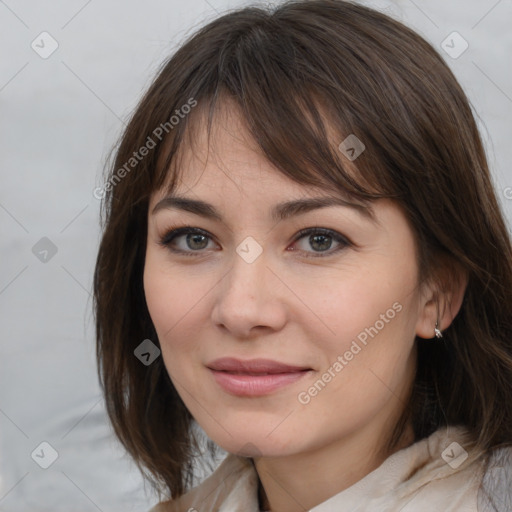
[[300, 482]]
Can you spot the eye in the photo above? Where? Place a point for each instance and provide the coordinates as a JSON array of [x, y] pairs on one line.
[[320, 239], [195, 240]]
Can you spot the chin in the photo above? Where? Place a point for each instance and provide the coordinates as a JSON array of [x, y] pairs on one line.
[[254, 442]]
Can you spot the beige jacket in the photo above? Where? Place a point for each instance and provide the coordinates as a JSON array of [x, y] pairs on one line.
[[435, 474]]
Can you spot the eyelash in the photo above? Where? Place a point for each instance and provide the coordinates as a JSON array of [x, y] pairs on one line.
[[174, 232]]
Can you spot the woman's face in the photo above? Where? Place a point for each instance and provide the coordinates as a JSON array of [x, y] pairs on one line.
[[287, 342]]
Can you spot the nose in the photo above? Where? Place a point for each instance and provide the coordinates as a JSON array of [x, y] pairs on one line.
[[248, 300]]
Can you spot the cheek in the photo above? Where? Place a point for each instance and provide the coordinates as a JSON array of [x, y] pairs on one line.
[[371, 319], [174, 304], [174, 299], [361, 304]]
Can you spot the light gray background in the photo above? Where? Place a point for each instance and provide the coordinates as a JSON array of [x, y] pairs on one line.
[[58, 119]]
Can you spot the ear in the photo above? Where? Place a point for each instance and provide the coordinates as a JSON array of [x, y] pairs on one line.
[[441, 299]]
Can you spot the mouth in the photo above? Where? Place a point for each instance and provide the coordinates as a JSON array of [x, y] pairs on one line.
[[255, 377]]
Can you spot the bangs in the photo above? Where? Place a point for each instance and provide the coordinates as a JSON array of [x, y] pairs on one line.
[[303, 128]]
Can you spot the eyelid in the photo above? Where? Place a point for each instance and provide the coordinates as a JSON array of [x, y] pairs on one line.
[[174, 232], [338, 237]]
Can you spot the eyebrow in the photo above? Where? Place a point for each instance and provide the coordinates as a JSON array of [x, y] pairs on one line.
[[279, 212]]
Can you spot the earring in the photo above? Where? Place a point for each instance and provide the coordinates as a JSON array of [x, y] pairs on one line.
[[437, 332]]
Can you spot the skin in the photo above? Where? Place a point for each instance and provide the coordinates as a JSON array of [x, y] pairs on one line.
[[291, 308]]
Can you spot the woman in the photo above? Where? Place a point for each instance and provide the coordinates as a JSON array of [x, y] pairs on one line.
[[304, 256]]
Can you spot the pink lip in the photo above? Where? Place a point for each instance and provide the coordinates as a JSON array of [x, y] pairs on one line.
[[255, 377]]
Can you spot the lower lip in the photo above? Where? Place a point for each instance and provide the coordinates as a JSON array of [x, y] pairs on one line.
[[255, 385]]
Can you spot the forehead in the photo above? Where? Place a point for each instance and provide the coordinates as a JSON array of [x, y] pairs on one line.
[[227, 156], [227, 167]]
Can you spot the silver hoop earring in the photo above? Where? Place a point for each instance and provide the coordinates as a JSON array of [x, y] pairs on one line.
[[437, 332]]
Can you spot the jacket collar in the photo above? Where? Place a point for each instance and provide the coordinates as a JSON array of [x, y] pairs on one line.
[[233, 487]]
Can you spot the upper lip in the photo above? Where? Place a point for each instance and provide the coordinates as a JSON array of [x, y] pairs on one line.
[[255, 366]]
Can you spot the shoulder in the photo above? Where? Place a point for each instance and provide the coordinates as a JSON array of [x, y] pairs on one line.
[[235, 478], [440, 472], [495, 494]]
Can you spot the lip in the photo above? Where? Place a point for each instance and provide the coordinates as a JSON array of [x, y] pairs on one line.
[[254, 377]]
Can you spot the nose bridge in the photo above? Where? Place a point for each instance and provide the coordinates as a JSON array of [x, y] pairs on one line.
[[249, 271], [244, 299]]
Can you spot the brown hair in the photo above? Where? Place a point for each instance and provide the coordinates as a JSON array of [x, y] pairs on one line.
[[296, 72]]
